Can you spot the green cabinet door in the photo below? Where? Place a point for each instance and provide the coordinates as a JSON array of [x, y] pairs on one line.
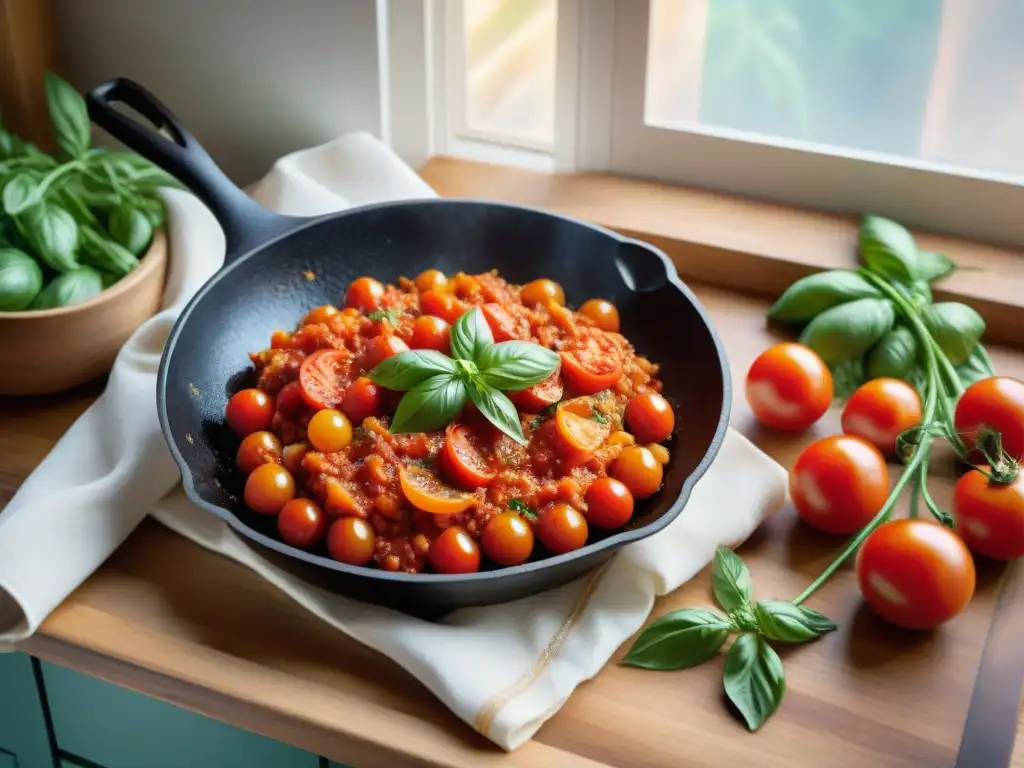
[[23, 740]]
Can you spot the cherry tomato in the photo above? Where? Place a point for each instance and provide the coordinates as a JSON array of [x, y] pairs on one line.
[[268, 488], [541, 292], [538, 397], [789, 387], [322, 378], [365, 294], [329, 431], [839, 483], [464, 462], [280, 339], [507, 539], [250, 410], [638, 470], [465, 286], [998, 404], [609, 503], [500, 321], [454, 551], [990, 515], [351, 540], [601, 313], [660, 452], [650, 417], [578, 434], [880, 410], [915, 573], [380, 348], [431, 280], [362, 399], [320, 315], [426, 492], [258, 448], [292, 457], [429, 332], [443, 305], [562, 528], [591, 365], [301, 523], [290, 399]]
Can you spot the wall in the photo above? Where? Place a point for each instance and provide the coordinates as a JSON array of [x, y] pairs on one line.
[[252, 79]]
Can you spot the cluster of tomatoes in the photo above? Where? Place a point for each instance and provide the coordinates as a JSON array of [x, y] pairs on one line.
[[913, 572]]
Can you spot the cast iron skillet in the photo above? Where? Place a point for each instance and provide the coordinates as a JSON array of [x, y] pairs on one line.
[[265, 284]]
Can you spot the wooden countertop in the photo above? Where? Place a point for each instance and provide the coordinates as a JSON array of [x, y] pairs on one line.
[[167, 618]]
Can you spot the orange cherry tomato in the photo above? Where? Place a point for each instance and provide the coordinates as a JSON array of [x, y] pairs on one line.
[[609, 503], [301, 523], [562, 528], [538, 397], [839, 483], [996, 403], [268, 488], [329, 431], [638, 470], [444, 305], [579, 435], [507, 539], [541, 292], [989, 515], [429, 332], [322, 378], [250, 410], [364, 294], [258, 448], [880, 410], [591, 365], [363, 399], [465, 286], [915, 573], [290, 400], [789, 387], [426, 492], [501, 322], [650, 417], [431, 280], [320, 315], [454, 551], [464, 462], [601, 313], [280, 340], [351, 540], [380, 348]]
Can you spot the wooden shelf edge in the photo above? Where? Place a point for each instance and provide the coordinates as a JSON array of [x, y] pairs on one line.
[[747, 245]]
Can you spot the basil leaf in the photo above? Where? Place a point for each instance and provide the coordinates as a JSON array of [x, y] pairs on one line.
[[731, 580], [20, 194], [137, 171], [53, 233], [516, 365], [408, 369], [72, 287], [68, 115], [130, 227], [956, 327], [754, 679], [470, 335], [847, 377], [849, 330], [814, 294], [20, 279], [430, 405], [975, 368], [679, 640], [497, 409], [101, 252], [888, 249], [894, 355], [932, 266], [779, 620]]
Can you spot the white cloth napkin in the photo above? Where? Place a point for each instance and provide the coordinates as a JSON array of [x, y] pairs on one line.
[[108, 472]]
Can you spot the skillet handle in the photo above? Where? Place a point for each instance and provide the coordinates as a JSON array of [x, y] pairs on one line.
[[168, 143]]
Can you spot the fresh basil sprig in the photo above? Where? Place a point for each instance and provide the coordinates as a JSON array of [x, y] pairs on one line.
[[753, 679], [438, 387]]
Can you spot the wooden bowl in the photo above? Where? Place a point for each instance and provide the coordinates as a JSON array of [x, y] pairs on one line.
[[50, 350]]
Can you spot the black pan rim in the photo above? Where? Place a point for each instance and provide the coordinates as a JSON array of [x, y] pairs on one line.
[[611, 542]]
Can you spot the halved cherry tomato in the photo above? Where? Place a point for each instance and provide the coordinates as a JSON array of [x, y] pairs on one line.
[[538, 397], [429, 332], [351, 540], [880, 410], [609, 503], [990, 515], [501, 322], [996, 403], [562, 528], [290, 400], [426, 492], [301, 523], [839, 483], [579, 435], [268, 488], [250, 410], [342, 500], [650, 417], [444, 305], [591, 365], [329, 431], [915, 573], [380, 348], [540, 292], [258, 448], [322, 378], [638, 470], [365, 293], [789, 387], [601, 313], [363, 399], [431, 280], [507, 539], [464, 462], [322, 314], [454, 551]]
